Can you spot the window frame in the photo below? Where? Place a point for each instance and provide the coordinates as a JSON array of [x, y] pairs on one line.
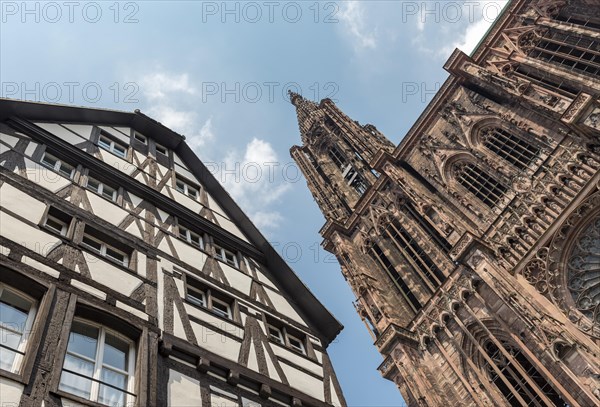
[[164, 152], [187, 186], [187, 237], [21, 350], [220, 254], [99, 365], [301, 349], [103, 250], [57, 165], [100, 190], [140, 138], [64, 228], [209, 296], [280, 339], [110, 146]]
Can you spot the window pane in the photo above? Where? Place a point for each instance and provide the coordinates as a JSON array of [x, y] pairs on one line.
[[180, 186], [92, 243], [49, 161], [13, 311], [119, 150], [55, 225], [192, 192], [115, 352], [111, 396], [93, 184], [7, 357], [83, 340], [196, 297], [114, 378], [10, 338], [109, 192], [77, 385], [220, 308], [104, 143], [78, 365], [66, 170], [115, 255]]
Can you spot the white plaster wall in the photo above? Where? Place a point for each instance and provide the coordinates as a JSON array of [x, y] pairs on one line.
[[188, 253], [186, 174], [30, 237], [61, 132], [283, 306], [183, 391], [107, 210], [40, 266], [21, 203], [206, 316], [116, 134], [216, 342], [236, 278], [230, 227], [108, 275], [10, 392], [298, 360], [117, 162], [83, 130], [44, 177], [303, 382]]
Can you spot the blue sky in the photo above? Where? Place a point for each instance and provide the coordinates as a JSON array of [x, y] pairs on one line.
[[217, 72]]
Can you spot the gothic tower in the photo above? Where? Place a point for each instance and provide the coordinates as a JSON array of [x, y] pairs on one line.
[[473, 247]]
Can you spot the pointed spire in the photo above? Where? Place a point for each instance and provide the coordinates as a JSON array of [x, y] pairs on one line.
[[305, 111]]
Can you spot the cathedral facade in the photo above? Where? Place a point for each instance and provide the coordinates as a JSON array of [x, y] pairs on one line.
[[473, 246], [129, 277]]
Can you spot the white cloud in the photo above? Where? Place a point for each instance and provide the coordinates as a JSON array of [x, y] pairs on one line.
[[352, 16], [254, 179], [470, 38], [159, 85]]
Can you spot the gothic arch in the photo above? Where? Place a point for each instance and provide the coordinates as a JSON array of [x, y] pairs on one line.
[[572, 266]]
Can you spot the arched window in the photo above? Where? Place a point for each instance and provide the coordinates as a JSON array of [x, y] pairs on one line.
[[511, 148], [479, 183], [574, 52], [530, 391], [99, 364], [379, 256]]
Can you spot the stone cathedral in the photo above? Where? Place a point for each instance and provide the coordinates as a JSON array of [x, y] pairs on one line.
[[473, 247], [129, 277]]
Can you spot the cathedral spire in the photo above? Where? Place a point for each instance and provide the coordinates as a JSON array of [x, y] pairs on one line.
[[306, 111]]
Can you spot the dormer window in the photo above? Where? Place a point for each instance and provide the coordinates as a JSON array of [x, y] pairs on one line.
[[140, 137], [161, 150], [57, 165], [113, 146]]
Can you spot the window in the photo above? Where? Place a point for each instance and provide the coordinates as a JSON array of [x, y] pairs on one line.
[[187, 188], [379, 256], [161, 150], [99, 365], [296, 344], [204, 296], [57, 221], [338, 159], [17, 312], [482, 185], [428, 271], [102, 189], [275, 334], [226, 256], [113, 146], [513, 149], [192, 238], [285, 335], [57, 165], [97, 242], [221, 308], [196, 296], [140, 137]]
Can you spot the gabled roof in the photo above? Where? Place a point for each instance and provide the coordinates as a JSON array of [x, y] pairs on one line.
[[304, 301]]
